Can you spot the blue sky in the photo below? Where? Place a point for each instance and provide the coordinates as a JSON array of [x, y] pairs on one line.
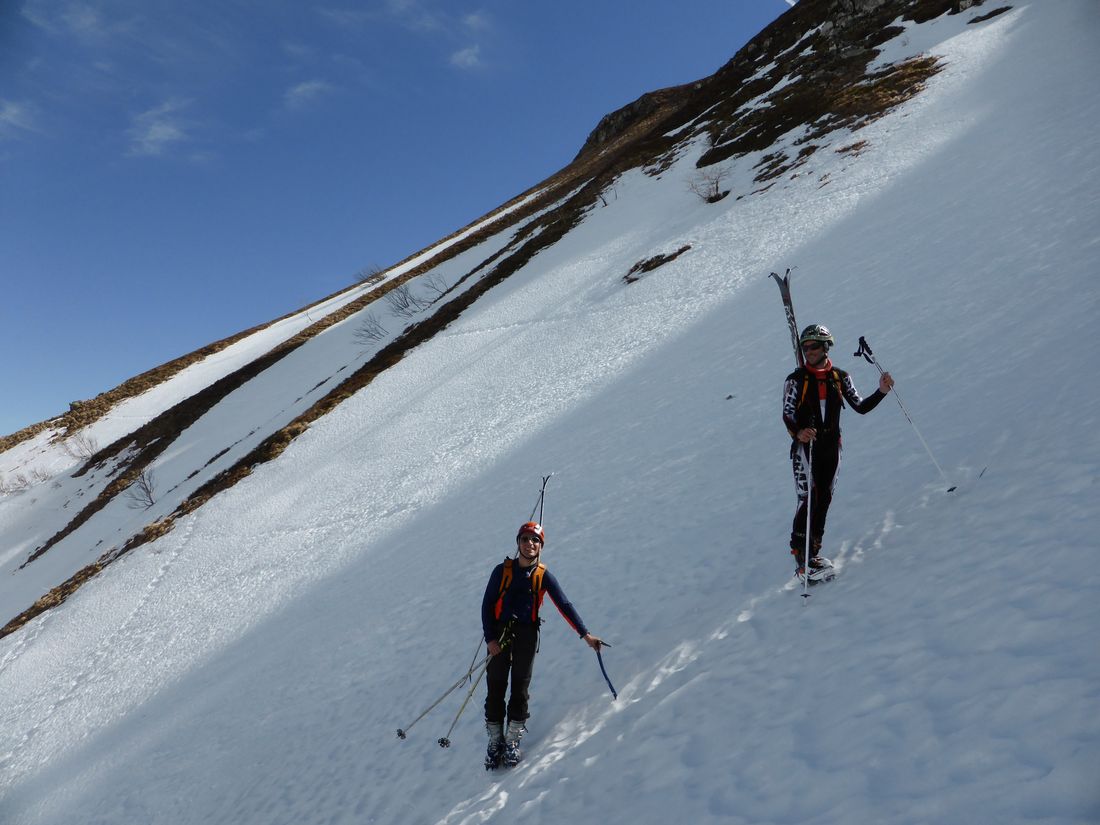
[[171, 174]]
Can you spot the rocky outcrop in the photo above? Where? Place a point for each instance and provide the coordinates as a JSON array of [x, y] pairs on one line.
[[621, 122]]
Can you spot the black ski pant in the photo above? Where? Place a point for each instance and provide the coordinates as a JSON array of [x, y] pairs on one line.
[[825, 467], [516, 659]]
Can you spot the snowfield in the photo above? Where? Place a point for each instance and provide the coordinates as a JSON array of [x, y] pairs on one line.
[[253, 665]]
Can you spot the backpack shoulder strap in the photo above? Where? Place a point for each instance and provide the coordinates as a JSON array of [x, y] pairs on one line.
[[839, 380], [805, 385], [538, 591], [506, 576]]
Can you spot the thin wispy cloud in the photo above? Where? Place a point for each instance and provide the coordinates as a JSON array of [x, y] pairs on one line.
[[476, 21], [303, 94], [468, 58], [15, 118], [156, 130], [421, 17], [415, 15], [82, 20], [298, 51]]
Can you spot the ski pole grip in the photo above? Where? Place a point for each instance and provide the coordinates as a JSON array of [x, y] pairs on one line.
[[864, 350]]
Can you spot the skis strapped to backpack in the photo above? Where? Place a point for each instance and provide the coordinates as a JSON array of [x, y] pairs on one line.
[[788, 307]]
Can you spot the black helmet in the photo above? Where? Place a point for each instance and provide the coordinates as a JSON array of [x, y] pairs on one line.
[[816, 332]]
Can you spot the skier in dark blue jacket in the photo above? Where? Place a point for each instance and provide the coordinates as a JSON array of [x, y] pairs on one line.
[[510, 622]]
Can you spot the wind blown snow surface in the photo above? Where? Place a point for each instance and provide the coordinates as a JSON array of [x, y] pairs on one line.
[[253, 665]]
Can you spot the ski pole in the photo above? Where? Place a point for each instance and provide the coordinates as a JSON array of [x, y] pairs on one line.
[[599, 657], [477, 650], [445, 742], [809, 498], [403, 732], [505, 640], [865, 351]]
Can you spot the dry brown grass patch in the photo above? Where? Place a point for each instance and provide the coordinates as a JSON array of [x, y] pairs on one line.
[[650, 264]]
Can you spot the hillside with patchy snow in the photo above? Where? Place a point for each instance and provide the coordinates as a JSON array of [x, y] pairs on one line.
[[329, 494]]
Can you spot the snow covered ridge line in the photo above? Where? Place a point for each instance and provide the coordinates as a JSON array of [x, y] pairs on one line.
[[85, 412]]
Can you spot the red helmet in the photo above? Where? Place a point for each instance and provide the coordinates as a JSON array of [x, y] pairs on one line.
[[532, 528]]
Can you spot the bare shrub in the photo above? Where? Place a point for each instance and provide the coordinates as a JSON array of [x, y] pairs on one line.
[[403, 303], [707, 183], [80, 446], [142, 493], [370, 274], [39, 475], [370, 329], [13, 484], [435, 284]]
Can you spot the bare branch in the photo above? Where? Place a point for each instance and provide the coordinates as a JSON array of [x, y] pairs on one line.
[[81, 446], [370, 330], [370, 274], [403, 303], [142, 493], [707, 183], [435, 284]]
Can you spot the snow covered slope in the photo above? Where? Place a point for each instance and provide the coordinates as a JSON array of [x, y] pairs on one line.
[[252, 665]]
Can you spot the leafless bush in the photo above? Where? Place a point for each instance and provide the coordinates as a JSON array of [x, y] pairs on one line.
[[39, 475], [370, 329], [142, 493], [81, 446], [370, 274], [14, 484], [435, 284], [707, 183], [403, 303]]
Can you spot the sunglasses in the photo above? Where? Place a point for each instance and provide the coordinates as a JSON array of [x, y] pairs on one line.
[[530, 537], [812, 345]]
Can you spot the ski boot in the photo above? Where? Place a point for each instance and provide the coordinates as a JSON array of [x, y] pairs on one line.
[[512, 753], [494, 754], [821, 569]]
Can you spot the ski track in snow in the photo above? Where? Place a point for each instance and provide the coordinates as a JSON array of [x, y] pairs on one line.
[[658, 687]]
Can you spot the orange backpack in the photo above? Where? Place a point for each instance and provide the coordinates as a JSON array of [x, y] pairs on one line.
[[536, 588]]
